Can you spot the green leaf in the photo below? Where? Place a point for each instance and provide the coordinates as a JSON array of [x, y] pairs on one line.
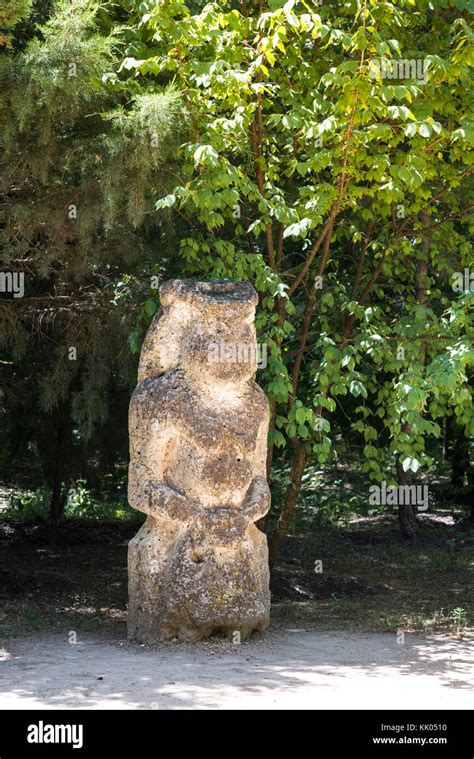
[[291, 430], [410, 463], [425, 130], [356, 388], [150, 306], [303, 431], [300, 415]]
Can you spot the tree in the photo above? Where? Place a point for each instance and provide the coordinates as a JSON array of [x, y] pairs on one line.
[[80, 150], [340, 189]]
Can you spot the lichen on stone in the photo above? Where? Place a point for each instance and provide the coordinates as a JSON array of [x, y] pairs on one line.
[[198, 436]]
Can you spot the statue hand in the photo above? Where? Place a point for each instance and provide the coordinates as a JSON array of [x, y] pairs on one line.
[[257, 499], [162, 500], [225, 525]]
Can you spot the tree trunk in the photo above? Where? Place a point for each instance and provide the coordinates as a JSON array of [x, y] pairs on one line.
[[447, 437], [459, 457], [406, 511], [58, 499], [462, 473], [288, 508], [470, 493]]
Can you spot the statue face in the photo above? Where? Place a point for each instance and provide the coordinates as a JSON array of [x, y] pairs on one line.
[[221, 351]]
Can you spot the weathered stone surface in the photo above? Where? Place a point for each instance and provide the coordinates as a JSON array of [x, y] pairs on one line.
[[198, 438]]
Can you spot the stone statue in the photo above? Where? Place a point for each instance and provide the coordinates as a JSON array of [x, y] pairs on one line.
[[198, 440]]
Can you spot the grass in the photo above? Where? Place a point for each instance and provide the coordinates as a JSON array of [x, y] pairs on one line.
[[19, 619], [75, 578], [81, 504], [393, 586]]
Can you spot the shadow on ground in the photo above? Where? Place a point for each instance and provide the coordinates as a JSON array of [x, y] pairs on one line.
[[286, 668]]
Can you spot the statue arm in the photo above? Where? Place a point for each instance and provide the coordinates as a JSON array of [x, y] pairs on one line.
[[152, 497], [230, 524], [147, 491], [257, 500]]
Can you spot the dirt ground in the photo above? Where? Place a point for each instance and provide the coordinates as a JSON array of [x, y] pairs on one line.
[[359, 620], [74, 577], [285, 668]]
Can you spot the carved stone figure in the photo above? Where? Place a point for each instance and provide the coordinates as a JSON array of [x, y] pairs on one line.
[[198, 440]]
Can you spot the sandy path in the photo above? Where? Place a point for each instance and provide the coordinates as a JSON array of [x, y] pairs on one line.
[[285, 669]]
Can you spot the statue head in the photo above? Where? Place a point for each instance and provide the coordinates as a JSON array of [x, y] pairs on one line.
[[223, 351], [204, 327]]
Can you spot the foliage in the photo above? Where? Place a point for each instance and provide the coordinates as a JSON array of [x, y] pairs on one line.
[[342, 194], [79, 156], [458, 617], [81, 504], [10, 17], [251, 140]]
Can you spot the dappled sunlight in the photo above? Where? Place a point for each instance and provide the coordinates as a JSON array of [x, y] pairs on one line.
[[290, 668]]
